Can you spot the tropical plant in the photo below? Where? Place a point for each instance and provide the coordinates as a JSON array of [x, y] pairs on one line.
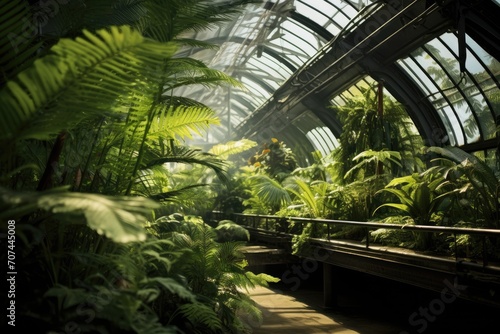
[[481, 191], [420, 196], [215, 272], [275, 160], [225, 194], [370, 125], [89, 118]]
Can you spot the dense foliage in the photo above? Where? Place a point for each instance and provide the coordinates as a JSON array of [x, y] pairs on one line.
[[380, 172], [90, 124]]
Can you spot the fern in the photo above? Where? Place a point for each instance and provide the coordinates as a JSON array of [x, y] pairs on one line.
[[192, 156], [232, 147], [80, 79], [201, 316], [181, 121]]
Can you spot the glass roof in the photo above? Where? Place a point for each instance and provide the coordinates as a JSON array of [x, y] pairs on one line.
[[270, 45]]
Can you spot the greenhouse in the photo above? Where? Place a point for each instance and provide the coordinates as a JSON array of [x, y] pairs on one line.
[[250, 166]]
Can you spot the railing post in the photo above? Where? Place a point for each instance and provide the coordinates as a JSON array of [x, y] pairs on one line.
[[456, 247], [485, 254], [367, 238]]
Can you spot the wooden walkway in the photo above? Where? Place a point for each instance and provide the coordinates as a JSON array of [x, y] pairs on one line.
[[284, 313]]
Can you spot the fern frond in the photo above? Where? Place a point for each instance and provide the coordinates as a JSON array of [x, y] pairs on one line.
[[181, 121], [232, 147], [189, 71], [186, 16], [80, 79], [192, 156], [261, 279], [174, 194], [201, 315]]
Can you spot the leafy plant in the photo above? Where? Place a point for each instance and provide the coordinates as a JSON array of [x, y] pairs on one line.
[[275, 160], [369, 127], [481, 192], [420, 196], [215, 272], [89, 120]]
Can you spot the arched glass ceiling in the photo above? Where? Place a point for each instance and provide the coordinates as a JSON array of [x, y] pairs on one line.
[[461, 98], [323, 140], [274, 47], [262, 48]]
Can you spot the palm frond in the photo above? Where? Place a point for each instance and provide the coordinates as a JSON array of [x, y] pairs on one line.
[[269, 190], [192, 156]]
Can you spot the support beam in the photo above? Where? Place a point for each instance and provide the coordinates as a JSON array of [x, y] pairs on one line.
[[330, 286]]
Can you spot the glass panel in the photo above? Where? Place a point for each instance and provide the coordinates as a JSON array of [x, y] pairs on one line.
[[300, 37], [465, 101], [485, 72], [259, 67], [452, 125], [323, 140], [332, 15], [258, 92]]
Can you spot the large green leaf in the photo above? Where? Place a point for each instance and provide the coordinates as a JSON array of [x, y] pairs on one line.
[[118, 218], [171, 285], [478, 172]]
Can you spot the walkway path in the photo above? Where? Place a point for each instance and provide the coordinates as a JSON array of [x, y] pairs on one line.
[[284, 313]]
